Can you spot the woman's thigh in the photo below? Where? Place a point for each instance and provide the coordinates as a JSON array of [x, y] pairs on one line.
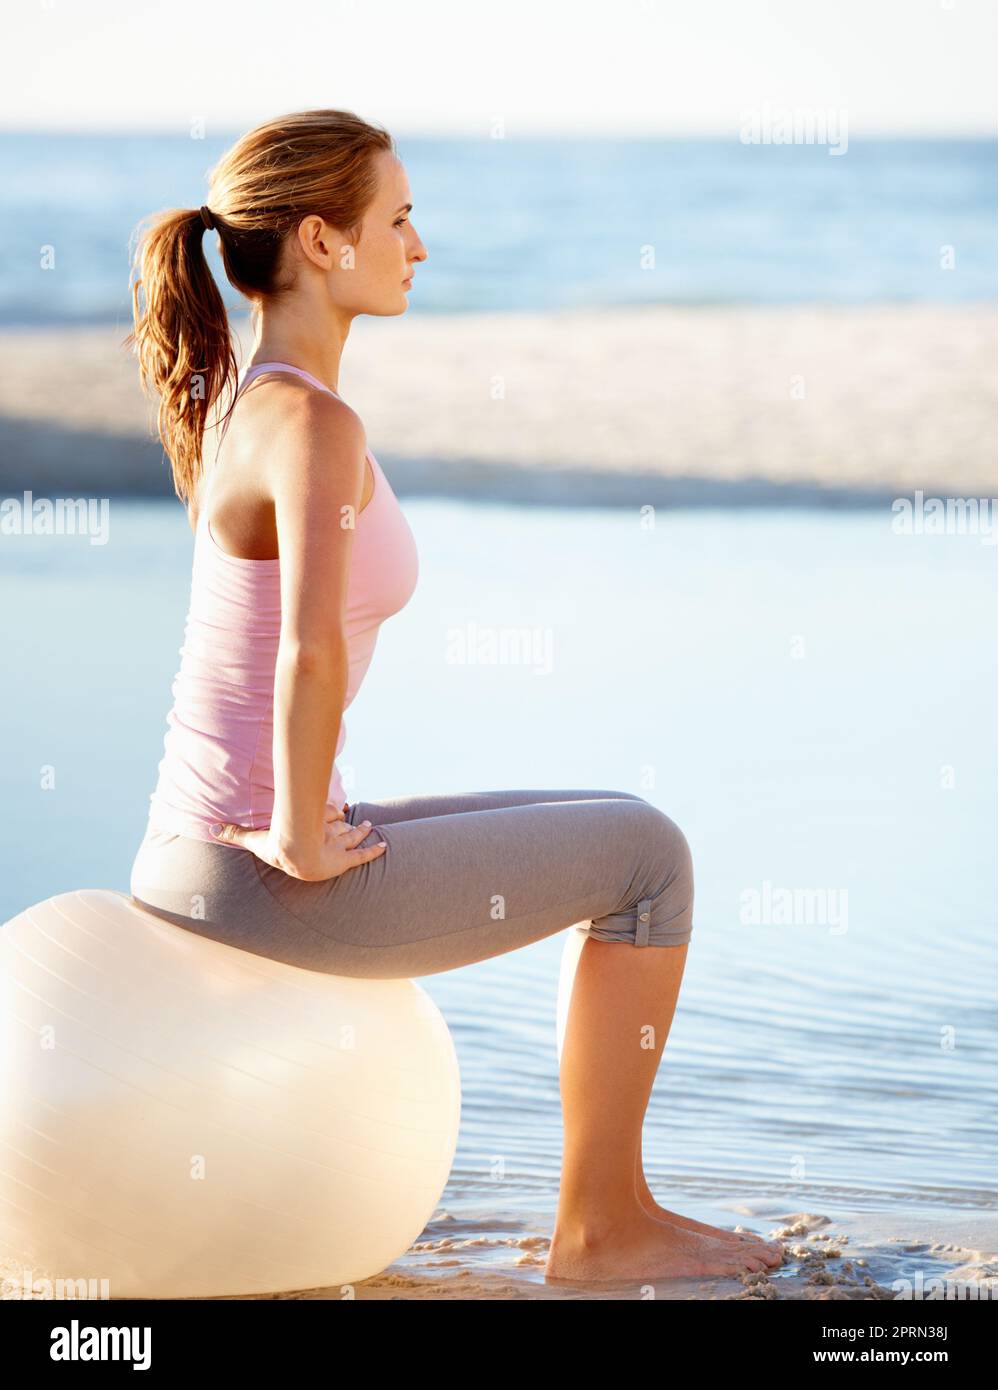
[[461, 885], [418, 807], [453, 886]]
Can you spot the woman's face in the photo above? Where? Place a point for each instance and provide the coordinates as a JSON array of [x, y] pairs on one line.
[[387, 249]]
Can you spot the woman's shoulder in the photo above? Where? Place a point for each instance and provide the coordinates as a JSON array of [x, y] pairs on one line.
[[279, 396], [283, 433], [276, 402]]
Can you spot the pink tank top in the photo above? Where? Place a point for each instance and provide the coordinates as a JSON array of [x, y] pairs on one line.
[[218, 761]]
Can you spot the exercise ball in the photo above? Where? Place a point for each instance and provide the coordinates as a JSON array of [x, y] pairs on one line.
[[186, 1119]]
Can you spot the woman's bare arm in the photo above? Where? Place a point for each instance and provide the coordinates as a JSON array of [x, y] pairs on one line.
[[316, 479]]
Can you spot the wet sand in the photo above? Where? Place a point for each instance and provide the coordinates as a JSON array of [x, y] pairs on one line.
[[865, 1257]]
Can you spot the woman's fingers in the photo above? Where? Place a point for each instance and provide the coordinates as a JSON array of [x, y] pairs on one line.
[[355, 833], [230, 834], [361, 833], [372, 852], [350, 836]]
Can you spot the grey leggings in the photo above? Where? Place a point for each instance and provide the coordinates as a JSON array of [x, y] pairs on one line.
[[465, 876]]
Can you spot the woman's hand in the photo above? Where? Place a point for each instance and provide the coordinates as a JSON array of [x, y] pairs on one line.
[[338, 852]]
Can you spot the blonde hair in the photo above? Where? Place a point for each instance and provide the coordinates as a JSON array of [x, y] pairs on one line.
[[310, 162]]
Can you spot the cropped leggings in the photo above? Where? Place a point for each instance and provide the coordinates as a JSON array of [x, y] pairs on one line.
[[465, 876]]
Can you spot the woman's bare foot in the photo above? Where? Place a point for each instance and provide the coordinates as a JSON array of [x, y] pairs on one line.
[[641, 1246], [771, 1251]]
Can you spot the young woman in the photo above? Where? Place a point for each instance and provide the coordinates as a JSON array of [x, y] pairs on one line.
[[301, 551]]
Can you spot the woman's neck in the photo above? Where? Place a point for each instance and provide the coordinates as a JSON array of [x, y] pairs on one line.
[[316, 348]]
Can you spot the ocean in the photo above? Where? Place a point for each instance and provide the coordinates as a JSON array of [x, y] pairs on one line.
[[544, 224]]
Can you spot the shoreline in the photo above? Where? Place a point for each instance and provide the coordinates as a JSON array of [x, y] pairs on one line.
[[815, 406], [854, 1256]]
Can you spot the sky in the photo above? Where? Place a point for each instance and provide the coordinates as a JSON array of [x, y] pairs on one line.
[[656, 67]]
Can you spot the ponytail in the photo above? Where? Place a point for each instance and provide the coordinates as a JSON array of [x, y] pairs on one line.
[[181, 338]]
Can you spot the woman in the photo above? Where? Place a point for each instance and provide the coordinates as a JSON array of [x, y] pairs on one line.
[[301, 551]]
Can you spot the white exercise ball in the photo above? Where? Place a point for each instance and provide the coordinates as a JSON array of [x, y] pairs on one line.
[[186, 1119]]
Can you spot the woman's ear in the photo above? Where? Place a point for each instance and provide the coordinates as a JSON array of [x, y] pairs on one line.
[[318, 240]]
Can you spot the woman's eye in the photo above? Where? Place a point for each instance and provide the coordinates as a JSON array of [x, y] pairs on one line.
[[401, 220]]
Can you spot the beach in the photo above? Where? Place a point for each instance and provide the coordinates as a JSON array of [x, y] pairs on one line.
[[856, 1260], [826, 406]]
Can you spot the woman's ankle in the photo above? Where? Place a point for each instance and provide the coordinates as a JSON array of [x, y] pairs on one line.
[[592, 1230]]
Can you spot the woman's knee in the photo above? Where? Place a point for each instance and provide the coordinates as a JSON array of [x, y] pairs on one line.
[[658, 908], [668, 851], [670, 884]]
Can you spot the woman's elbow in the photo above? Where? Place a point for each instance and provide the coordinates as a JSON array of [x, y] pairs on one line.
[[314, 657]]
